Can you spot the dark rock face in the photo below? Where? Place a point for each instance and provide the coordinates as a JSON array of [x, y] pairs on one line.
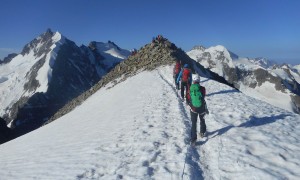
[[296, 102], [293, 85], [45, 40], [5, 132], [32, 83], [74, 71], [41, 46], [257, 77], [8, 58], [72, 74]]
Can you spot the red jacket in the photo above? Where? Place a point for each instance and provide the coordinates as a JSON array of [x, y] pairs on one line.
[[177, 68]]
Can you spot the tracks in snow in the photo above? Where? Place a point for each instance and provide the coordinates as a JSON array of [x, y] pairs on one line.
[[156, 143], [192, 158]]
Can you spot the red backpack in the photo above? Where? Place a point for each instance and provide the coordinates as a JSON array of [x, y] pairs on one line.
[[185, 75], [177, 68]]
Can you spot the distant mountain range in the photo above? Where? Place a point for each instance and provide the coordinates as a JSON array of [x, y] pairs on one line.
[[52, 75], [259, 77]]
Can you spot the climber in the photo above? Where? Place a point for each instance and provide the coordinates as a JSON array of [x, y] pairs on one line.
[[133, 52], [159, 38], [185, 76], [176, 71], [198, 107]]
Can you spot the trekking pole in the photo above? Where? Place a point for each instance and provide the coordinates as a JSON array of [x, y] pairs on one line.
[[184, 163]]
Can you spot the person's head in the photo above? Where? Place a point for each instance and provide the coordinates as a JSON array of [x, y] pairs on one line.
[[186, 66], [196, 78]]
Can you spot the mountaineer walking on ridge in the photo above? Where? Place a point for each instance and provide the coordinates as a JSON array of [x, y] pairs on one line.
[[198, 107], [176, 71], [185, 76]]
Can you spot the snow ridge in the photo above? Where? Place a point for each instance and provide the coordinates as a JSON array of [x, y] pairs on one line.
[[148, 139], [45, 73]]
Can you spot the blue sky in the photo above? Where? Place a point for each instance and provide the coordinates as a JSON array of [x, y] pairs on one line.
[[254, 28]]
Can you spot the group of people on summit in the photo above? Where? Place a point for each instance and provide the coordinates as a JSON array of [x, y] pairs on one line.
[[189, 85]]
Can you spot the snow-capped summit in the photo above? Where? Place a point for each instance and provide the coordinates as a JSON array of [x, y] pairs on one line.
[[199, 47], [264, 62], [43, 43], [218, 59], [218, 52], [50, 71], [29, 72], [255, 63], [259, 77], [109, 49]]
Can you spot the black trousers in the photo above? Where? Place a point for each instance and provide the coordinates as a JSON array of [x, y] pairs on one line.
[[184, 85], [176, 84], [194, 124]]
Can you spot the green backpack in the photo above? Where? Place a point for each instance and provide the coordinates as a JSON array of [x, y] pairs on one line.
[[196, 95]]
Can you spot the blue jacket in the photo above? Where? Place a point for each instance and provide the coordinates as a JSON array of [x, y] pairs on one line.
[[180, 75]]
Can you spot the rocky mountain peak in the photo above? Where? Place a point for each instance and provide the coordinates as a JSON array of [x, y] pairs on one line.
[[263, 62], [41, 44], [49, 32], [92, 45], [113, 44], [254, 74], [150, 56], [8, 58], [199, 47]]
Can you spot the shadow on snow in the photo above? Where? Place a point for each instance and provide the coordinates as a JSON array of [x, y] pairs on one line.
[[223, 92], [252, 122], [260, 121]]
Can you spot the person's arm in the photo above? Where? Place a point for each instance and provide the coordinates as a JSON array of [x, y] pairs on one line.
[[179, 76], [203, 91]]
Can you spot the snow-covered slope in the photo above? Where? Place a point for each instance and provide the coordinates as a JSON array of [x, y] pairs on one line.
[[112, 49], [296, 73], [105, 55], [255, 63], [125, 132], [297, 67], [259, 78]]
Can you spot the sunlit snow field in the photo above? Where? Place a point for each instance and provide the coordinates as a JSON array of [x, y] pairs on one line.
[[140, 129]]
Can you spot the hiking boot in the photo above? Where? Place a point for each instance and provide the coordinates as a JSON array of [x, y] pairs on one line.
[[182, 99], [201, 135], [193, 142]]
